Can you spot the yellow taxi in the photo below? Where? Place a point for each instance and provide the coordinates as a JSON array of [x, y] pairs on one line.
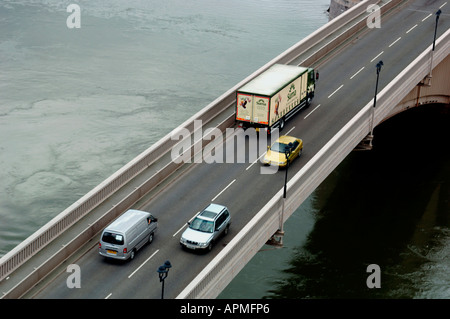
[[276, 154]]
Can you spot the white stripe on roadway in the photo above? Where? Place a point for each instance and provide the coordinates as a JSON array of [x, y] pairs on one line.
[[312, 111], [377, 56], [223, 190], [143, 264], [335, 91], [357, 72]]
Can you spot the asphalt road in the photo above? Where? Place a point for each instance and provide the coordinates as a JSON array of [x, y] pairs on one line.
[[346, 84]]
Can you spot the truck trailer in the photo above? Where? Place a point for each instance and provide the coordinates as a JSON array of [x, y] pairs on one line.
[[271, 98]]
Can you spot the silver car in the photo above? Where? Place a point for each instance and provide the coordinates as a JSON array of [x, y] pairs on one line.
[[206, 228]]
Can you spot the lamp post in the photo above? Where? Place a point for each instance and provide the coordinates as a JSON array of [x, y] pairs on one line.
[[378, 66], [287, 153], [280, 232], [438, 13], [163, 271]]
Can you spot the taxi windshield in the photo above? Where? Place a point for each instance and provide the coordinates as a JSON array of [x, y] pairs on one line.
[[278, 147]]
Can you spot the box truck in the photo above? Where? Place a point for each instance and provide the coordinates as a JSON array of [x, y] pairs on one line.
[[272, 97]]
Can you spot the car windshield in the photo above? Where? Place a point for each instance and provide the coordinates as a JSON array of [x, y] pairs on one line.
[[278, 147], [112, 238], [202, 225]]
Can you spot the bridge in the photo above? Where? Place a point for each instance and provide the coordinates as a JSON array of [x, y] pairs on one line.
[[345, 51]]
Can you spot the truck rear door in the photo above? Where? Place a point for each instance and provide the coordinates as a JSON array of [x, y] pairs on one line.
[[244, 107]]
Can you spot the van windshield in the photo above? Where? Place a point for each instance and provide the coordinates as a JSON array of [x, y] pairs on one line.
[[202, 225], [112, 238]]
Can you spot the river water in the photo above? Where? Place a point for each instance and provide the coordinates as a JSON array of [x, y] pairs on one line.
[[78, 104]]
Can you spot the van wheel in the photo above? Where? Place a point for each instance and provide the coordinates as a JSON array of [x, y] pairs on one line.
[[133, 252], [225, 232], [150, 238]]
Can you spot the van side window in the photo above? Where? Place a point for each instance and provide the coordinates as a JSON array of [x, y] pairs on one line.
[[151, 219]]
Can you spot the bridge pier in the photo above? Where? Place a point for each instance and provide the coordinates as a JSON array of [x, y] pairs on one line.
[[277, 239], [365, 144]]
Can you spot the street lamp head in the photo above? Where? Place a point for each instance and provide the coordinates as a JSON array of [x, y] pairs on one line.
[[288, 149], [438, 13], [378, 66], [168, 265], [162, 271]]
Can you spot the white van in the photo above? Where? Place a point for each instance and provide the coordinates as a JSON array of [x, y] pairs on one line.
[[127, 234]]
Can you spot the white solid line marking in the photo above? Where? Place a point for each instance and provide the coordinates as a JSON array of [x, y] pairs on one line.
[[427, 17], [395, 42], [357, 72], [108, 296], [143, 264], [335, 91], [312, 111], [377, 56], [223, 190], [411, 29], [443, 5]]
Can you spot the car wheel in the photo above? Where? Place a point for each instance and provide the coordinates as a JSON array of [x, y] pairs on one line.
[[210, 246], [150, 238], [225, 232], [133, 252]]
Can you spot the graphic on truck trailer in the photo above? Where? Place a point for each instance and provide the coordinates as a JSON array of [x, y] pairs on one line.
[[244, 109], [261, 109]]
